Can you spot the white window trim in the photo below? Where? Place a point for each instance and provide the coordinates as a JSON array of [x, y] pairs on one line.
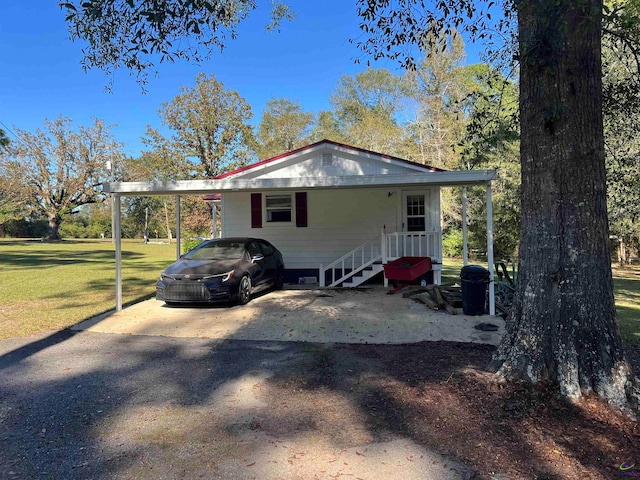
[[265, 212]]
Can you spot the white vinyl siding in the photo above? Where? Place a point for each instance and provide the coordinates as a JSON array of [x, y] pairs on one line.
[[331, 162], [338, 221]]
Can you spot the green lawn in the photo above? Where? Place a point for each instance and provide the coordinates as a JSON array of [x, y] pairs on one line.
[[626, 286], [50, 286]]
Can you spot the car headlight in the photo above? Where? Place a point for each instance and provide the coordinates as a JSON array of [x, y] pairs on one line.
[[164, 276], [223, 276], [227, 276]]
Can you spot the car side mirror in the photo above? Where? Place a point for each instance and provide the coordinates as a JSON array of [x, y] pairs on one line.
[[257, 258]]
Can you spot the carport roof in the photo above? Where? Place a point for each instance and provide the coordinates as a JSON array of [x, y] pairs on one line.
[[190, 187]]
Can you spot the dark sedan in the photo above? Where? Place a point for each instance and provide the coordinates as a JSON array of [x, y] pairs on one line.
[[225, 269]]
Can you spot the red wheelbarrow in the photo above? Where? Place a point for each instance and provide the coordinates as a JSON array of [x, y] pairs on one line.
[[406, 270]]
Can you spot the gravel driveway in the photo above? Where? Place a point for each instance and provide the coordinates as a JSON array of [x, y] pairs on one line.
[[326, 316], [96, 405], [164, 393]]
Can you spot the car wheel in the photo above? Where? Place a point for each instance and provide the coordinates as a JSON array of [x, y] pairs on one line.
[[278, 282], [244, 290]]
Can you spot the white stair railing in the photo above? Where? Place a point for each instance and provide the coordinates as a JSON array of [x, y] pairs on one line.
[[351, 263], [414, 244], [387, 247]]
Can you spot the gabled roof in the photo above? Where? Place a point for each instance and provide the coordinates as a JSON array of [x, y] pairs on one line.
[[320, 145], [304, 168]]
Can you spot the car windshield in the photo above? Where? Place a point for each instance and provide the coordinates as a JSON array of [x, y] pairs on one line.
[[217, 251]]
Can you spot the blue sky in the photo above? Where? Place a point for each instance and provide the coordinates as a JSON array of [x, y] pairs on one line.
[[41, 76]]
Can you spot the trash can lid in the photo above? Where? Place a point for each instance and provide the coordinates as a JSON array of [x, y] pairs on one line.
[[474, 272]]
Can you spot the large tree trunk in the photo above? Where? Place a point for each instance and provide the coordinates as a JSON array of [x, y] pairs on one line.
[[54, 225], [563, 325]]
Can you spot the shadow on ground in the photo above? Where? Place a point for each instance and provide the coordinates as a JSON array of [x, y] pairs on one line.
[[95, 405]]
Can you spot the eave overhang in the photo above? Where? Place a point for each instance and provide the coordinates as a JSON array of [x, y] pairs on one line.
[[197, 187]]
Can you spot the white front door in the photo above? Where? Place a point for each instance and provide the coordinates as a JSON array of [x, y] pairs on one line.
[[415, 205]]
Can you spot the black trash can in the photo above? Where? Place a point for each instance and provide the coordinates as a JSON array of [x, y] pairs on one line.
[[474, 279]]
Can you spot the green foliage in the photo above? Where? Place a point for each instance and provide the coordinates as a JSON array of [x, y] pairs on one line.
[[491, 141], [88, 223], [73, 230], [157, 213], [52, 173], [621, 85], [452, 243], [623, 178], [392, 29], [284, 127], [365, 108], [4, 140], [24, 228], [327, 127], [211, 124], [621, 57], [436, 90], [135, 34], [161, 161]]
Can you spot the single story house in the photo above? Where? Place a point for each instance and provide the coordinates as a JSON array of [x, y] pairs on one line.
[[338, 213]]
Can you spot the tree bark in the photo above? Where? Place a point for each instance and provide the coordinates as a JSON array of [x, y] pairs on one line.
[[54, 226], [562, 326]]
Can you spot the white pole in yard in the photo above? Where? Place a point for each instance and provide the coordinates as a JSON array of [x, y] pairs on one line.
[[118, 241], [177, 227], [465, 243], [492, 299]]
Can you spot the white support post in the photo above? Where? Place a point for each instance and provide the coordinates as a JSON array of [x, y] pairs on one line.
[[118, 241], [178, 253], [383, 248], [465, 243], [492, 299], [321, 275], [214, 220]]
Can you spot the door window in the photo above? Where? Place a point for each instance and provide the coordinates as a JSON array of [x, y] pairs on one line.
[[415, 213]]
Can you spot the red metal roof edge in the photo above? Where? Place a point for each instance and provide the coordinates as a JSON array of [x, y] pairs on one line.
[[213, 196], [268, 160], [337, 144]]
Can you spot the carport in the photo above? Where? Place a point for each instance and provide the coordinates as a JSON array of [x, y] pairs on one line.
[[205, 187], [381, 192]]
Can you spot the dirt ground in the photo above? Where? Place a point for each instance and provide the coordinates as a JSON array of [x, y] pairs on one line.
[[445, 398], [367, 315]]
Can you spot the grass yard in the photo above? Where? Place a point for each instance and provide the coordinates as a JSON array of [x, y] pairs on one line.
[[51, 286], [626, 287]]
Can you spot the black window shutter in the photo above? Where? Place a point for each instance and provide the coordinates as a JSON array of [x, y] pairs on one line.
[[301, 209], [256, 210]]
